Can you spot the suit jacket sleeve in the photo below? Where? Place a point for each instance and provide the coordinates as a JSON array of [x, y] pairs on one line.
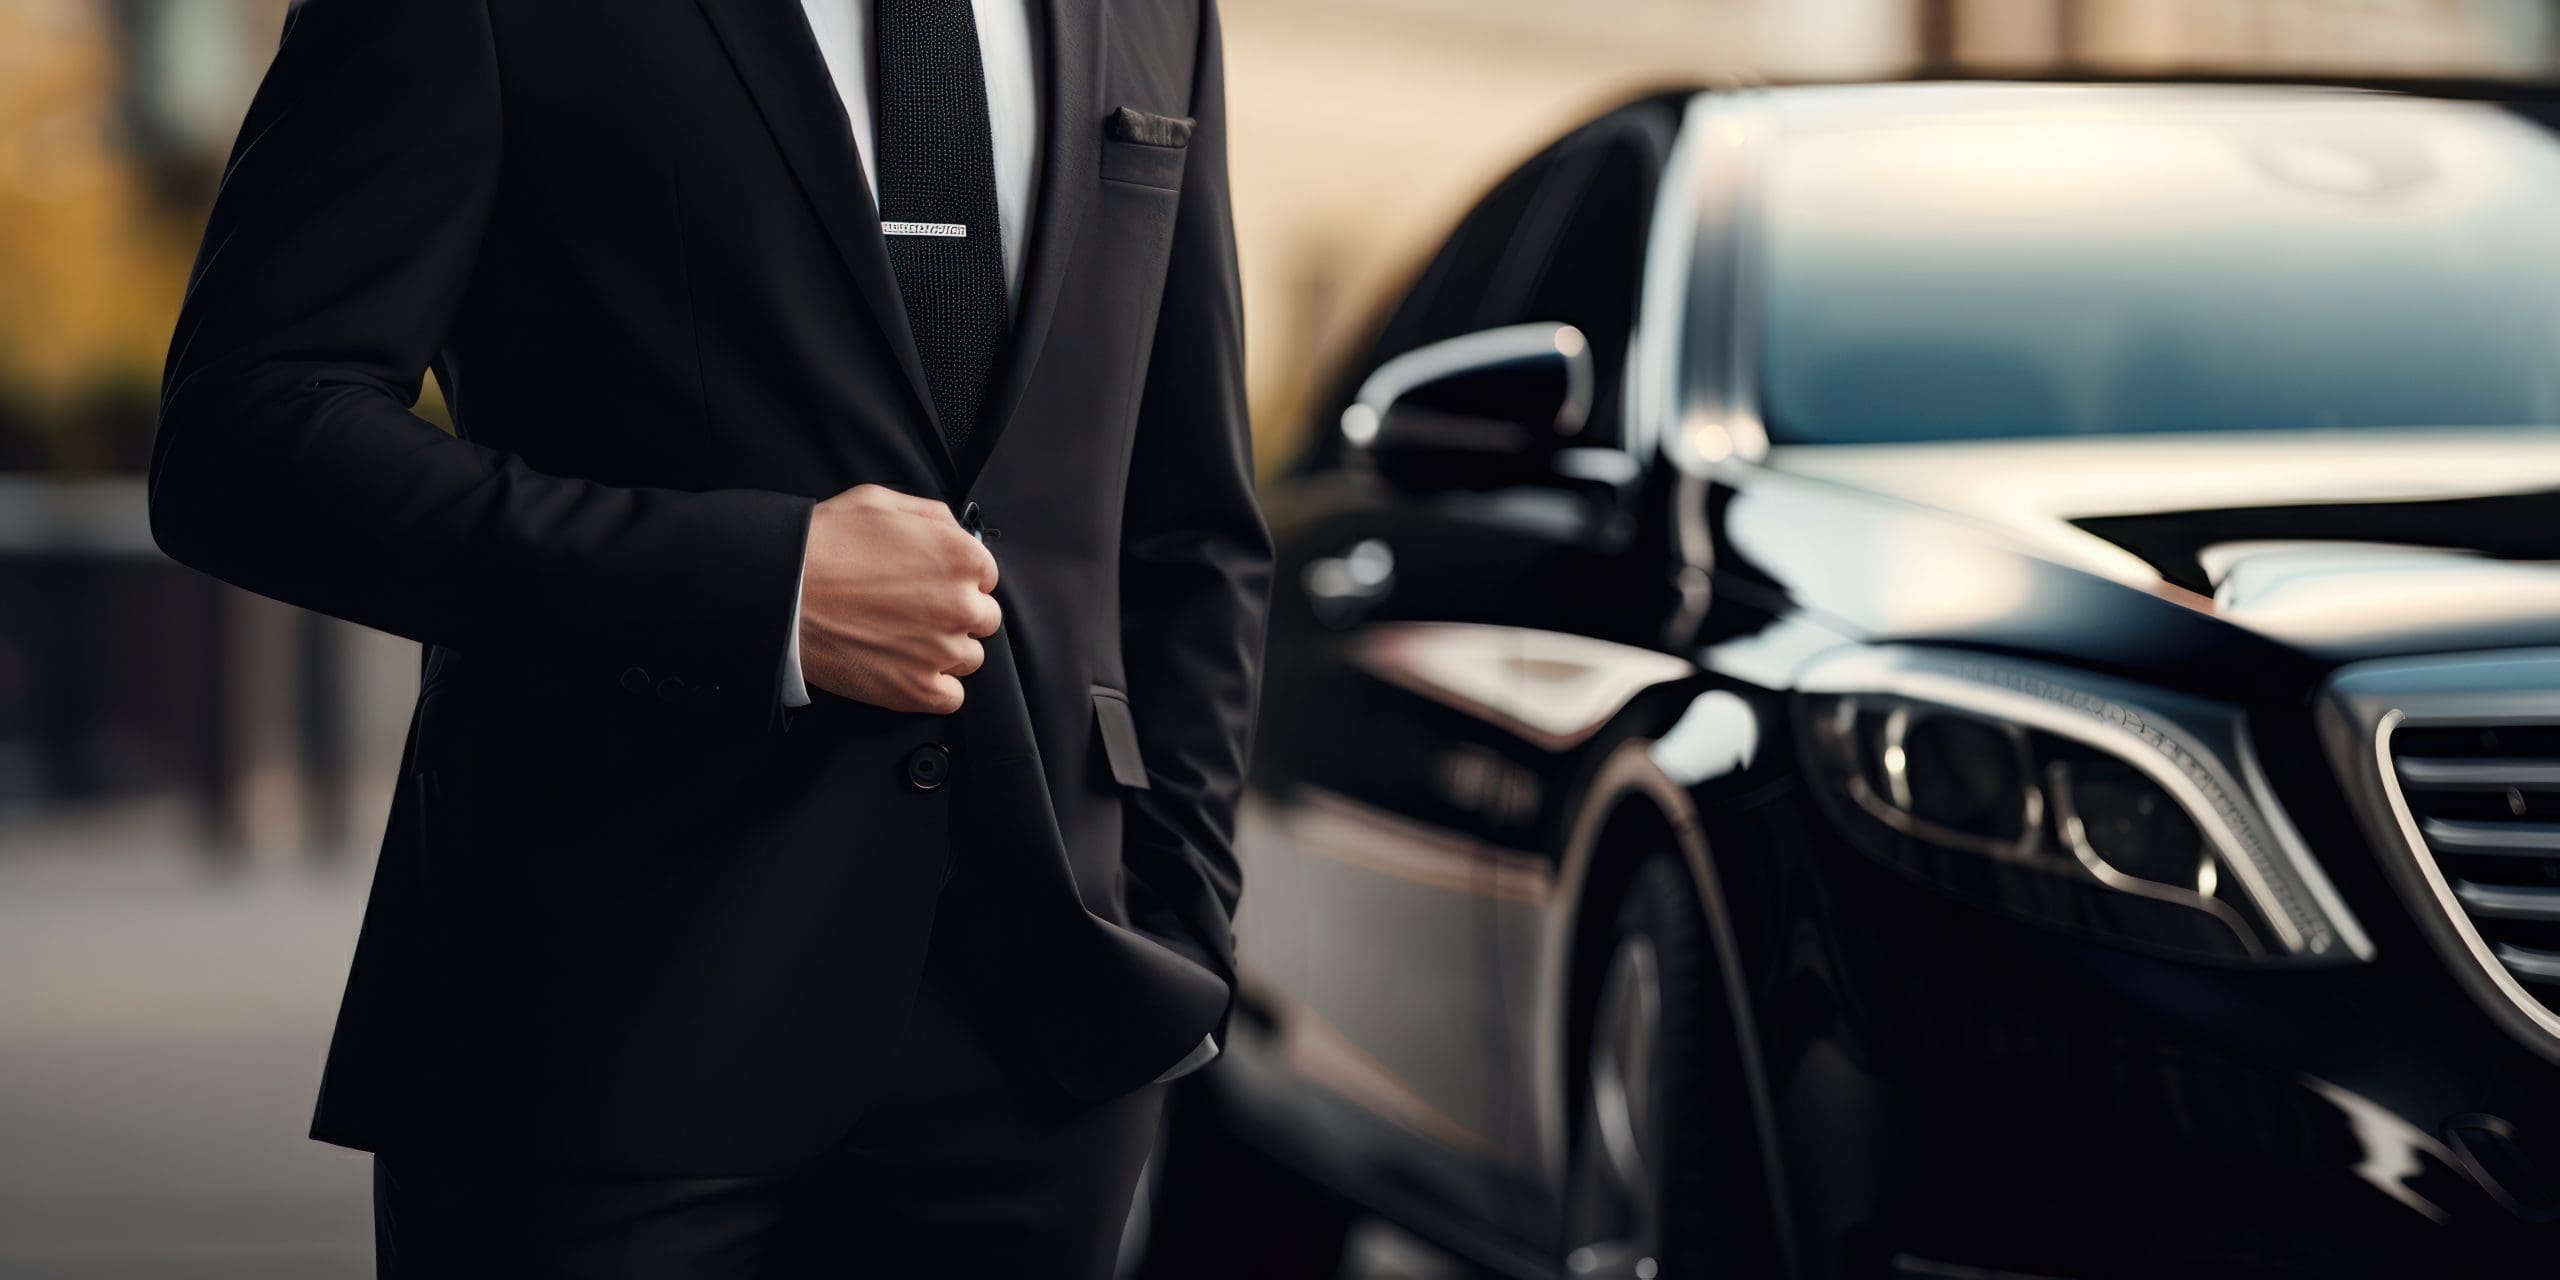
[[1195, 565], [288, 462]]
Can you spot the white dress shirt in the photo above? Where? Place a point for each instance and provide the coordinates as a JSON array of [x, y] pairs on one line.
[[845, 38]]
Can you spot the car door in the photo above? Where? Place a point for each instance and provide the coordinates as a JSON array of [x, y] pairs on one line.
[[1396, 797], [1598, 586]]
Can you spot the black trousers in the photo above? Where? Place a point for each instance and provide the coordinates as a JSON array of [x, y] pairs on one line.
[[962, 1168]]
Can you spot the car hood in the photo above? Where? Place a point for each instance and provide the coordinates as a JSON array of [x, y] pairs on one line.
[[2330, 545]]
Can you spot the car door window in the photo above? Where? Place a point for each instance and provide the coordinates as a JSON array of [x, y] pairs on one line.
[[1579, 257], [1560, 239]]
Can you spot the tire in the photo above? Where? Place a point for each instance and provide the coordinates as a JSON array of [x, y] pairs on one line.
[[1214, 1206], [1663, 1181]]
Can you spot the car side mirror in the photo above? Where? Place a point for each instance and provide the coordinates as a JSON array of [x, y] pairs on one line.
[[1482, 410]]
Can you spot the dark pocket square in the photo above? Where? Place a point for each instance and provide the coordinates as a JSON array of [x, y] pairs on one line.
[[1128, 124]]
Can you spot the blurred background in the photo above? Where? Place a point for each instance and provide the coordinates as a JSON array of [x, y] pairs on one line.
[[191, 779]]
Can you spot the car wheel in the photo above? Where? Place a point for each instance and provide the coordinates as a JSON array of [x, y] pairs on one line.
[[1662, 1183]]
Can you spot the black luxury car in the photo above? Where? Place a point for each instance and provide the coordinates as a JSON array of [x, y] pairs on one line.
[[1925, 680]]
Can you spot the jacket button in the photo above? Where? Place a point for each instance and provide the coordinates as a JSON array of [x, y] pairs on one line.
[[928, 766], [635, 680], [671, 689], [973, 520]]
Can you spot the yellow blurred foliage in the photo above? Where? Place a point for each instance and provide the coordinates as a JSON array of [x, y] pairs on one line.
[[90, 271]]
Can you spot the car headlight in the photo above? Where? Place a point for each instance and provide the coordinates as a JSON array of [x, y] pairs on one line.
[[2100, 806]]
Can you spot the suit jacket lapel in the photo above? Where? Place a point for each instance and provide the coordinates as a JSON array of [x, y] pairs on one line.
[[770, 43], [1071, 132]]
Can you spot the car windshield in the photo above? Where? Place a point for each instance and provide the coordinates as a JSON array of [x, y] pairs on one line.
[[2106, 261]]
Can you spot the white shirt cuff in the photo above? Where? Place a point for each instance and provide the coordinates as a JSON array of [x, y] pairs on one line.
[[795, 691], [1198, 1057]]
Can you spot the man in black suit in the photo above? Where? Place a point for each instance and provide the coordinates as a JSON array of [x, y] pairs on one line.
[[841, 600]]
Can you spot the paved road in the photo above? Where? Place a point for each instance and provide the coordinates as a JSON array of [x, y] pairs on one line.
[[162, 1022], [160, 1030]]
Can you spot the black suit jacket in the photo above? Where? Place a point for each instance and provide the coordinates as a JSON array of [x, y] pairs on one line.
[[632, 914]]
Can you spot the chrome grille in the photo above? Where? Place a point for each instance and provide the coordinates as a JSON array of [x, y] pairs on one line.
[[2454, 767], [2486, 801]]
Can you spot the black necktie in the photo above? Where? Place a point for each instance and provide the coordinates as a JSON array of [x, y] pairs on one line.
[[938, 200]]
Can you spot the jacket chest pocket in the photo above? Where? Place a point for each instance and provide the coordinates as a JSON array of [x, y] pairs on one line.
[[1140, 191], [1144, 164]]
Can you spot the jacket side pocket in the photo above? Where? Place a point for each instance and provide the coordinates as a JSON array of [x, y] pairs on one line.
[[1119, 730]]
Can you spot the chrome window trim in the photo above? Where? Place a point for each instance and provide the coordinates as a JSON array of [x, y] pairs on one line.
[[1656, 355], [2198, 751], [2364, 705], [1694, 323]]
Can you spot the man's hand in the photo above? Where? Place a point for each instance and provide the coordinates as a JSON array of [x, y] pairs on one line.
[[894, 596]]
